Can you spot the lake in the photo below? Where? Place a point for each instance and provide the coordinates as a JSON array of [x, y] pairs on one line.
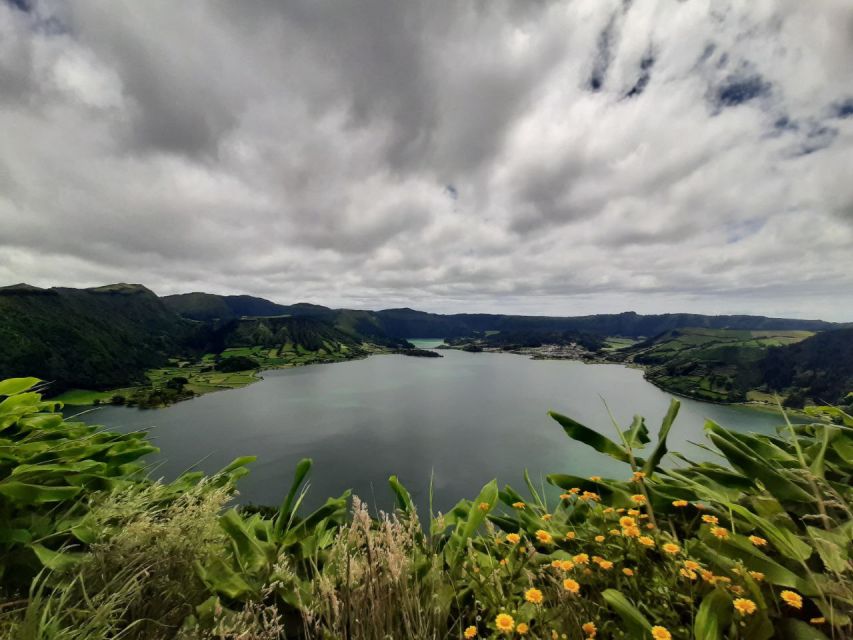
[[464, 418]]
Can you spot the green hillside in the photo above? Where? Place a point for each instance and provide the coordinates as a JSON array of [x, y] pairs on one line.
[[719, 365], [98, 338]]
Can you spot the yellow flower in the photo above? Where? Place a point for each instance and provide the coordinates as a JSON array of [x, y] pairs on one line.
[[519, 505], [643, 516], [638, 499], [639, 475], [650, 526], [679, 503], [513, 538], [687, 573], [544, 537], [599, 538], [720, 533], [570, 535], [708, 576], [737, 589], [547, 517], [565, 496], [744, 606], [504, 622], [615, 532], [484, 506], [608, 510], [522, 628], [692, 565], [620, 510], [710, 519], [628, 572], [758, 541], [660, 633], [556, 564], [504, 561], [627, 521], [589, 495], [820, 620], [631, 532], [581, 558], [606, 565], [571, 586], [566, 565], [756, 575], [533, 595], [646, 540], [792, 599], [575, 490], [633, 512], [470, 632], [589, 629], [671, 548], [595, 478]]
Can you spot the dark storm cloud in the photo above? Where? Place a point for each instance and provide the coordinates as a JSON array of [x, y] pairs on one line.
[[544, 157]]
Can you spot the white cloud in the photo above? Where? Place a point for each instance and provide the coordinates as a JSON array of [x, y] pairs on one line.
[[548, 157]]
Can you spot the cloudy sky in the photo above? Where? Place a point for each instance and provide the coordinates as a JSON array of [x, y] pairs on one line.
[[476, 155]]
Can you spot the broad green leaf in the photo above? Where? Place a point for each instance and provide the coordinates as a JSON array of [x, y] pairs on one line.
[[56, 560], [785, 541], [660, 449], [635, 621], [286, 512], [32, 494], [749, 463], [793, 629], [832, 548], [637, 435], [714, 616], [577, 431], [251, 553], [221, 578], [13, 386], [404, 499]]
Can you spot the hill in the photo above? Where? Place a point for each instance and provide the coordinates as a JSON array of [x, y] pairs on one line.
[[726, 365], [208, 306], [100, 338], [720, 365], [411, 323], [818, 368]]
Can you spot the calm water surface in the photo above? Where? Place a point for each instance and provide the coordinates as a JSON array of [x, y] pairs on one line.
[[465, 417]]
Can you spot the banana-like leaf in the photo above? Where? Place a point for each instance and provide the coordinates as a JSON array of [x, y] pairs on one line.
[[404, 499], [635, 622], [832, 547], [637, 435], [749, 463], [222, 579], [14, 386], [660, 449], [32, 494], [56, 560], [577, 431], [251, 553], [285, 515], [793, 629], [786, 542], [714, 616]]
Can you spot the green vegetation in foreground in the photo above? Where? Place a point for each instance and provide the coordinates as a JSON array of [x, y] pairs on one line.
[[718, 365], [754, 549]]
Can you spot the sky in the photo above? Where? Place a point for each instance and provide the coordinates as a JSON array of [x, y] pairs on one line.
[[563, 158]]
